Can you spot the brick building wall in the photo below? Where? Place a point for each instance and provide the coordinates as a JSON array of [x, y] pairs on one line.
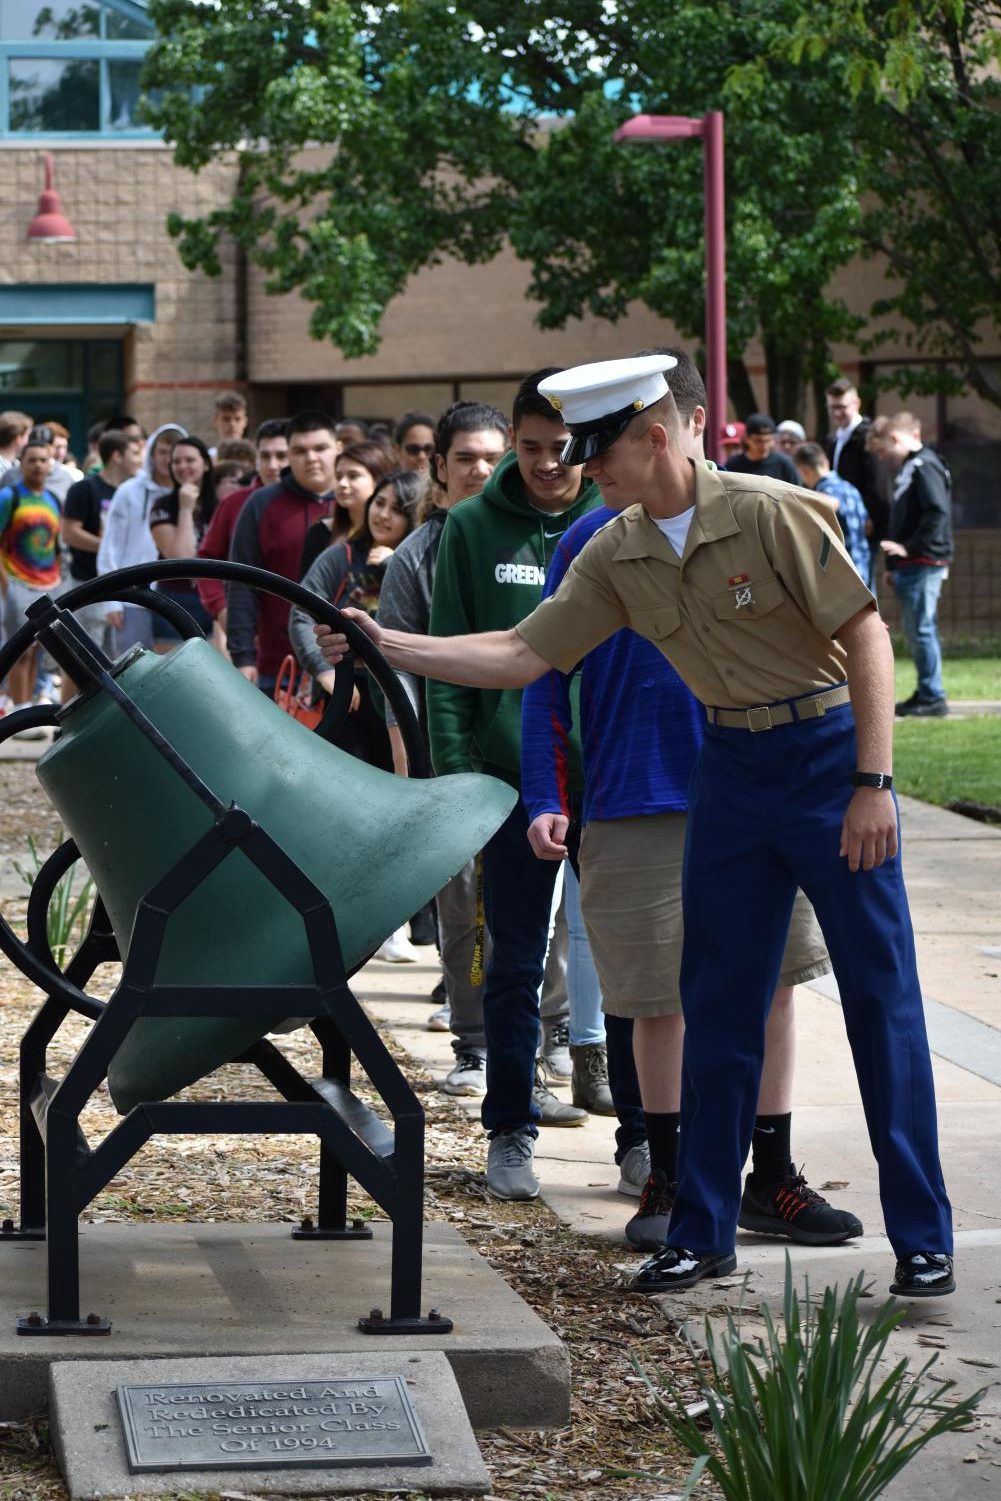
[[457, 322], [117, 199]]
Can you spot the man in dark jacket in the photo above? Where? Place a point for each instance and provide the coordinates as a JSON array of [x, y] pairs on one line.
[[270, 534], [852, 460], [491, 568], [918, 553]]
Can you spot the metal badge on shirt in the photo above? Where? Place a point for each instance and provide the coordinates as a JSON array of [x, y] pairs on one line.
[[740, 587]]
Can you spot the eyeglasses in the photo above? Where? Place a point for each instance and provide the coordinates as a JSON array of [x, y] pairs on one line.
[[413, 449]]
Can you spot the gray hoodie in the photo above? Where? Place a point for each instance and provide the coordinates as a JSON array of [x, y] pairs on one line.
[[127, 540]]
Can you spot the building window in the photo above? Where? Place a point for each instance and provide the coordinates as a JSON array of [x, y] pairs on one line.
[[72, 381], [72, 69]]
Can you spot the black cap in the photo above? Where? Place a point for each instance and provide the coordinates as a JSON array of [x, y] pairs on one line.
[[760, 422]]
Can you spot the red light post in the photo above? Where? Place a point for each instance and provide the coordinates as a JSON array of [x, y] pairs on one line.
[[710, 128]]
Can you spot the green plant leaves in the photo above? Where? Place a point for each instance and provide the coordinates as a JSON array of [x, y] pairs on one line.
[[69, 910], [810, 1410]]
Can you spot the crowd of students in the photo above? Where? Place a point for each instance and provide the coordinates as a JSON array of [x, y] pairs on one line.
[[560, 965]]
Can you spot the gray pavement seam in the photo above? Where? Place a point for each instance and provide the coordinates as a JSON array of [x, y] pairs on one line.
[[952, 1035]]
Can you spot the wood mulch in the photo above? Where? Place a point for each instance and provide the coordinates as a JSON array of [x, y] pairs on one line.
[[572, 1281]]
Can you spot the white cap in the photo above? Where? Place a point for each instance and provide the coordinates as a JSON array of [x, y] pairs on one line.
[[597, 402], [796, 428]]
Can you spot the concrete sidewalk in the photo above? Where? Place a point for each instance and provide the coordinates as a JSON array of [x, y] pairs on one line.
[[953, 869]]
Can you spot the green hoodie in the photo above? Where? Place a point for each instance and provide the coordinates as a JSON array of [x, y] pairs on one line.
[[495, 550]]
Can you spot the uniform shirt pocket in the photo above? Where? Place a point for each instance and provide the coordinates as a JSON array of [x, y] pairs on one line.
[[748, 601], [655, 622]]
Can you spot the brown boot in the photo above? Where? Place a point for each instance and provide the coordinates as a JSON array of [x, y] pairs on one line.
[[589, 1081]]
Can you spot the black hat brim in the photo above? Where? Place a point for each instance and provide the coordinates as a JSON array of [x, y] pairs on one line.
[[587, 440]]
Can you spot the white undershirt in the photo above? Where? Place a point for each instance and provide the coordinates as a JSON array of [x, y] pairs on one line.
[[675, 528], [841, 438]]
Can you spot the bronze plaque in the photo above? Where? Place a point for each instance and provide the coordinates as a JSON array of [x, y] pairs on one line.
[[272, 1424]]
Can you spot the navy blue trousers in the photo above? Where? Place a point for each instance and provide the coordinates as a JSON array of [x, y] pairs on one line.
[[764, 816], [517, 900]]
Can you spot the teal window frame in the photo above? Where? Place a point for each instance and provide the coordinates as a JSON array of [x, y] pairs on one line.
[[102, 49]]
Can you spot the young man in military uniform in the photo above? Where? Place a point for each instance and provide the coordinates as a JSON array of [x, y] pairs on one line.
[[746, 587]]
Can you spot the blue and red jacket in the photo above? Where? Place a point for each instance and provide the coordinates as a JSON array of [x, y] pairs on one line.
[[641, 729]]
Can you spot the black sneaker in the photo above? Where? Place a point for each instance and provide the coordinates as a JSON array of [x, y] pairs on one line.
[[923, 1274], [930, 708], [647, 1230], [672, 1270], [792, 1209], [922, 708]]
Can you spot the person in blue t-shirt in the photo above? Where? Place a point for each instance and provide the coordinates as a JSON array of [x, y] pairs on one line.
[[641, 730]]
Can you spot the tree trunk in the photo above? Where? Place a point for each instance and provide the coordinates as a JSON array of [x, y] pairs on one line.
[[786, 382], [741, 393]]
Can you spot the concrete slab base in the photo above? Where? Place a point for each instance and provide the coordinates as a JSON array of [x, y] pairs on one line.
[[230, 1290], [90, 1447]]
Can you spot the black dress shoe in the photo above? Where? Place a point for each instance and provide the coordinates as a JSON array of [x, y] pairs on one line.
[[672, 1270], [923, 1274]]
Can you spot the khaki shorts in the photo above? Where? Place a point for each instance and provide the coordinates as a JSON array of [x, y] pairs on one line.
[[630, 897]]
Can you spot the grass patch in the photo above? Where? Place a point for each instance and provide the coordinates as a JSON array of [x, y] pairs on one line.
[[964, 677], [945, 761]]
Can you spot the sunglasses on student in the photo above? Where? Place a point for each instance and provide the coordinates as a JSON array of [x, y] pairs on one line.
[[413, 449]]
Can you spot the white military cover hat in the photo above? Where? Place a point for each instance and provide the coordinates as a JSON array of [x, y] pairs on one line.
[[597, 402]]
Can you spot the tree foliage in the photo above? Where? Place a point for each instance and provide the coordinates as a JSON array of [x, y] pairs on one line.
[[447, 126], [414, 165], [923, 115]]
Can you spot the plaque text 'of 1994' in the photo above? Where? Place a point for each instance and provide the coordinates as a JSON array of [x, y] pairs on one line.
[[261, 1425]]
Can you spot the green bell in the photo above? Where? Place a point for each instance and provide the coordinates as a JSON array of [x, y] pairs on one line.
[[378, 846]]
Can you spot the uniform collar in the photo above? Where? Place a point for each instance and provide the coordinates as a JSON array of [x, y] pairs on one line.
[[713, 519]]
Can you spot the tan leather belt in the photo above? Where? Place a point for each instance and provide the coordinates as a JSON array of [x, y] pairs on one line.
[[767, 716]]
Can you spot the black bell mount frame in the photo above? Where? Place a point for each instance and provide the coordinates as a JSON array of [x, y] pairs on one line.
[[61, 1173]]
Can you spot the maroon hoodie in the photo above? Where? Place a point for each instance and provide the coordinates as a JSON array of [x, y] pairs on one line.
[[269, 534]]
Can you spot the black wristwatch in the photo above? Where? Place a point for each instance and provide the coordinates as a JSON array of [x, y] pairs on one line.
[[880, 779]]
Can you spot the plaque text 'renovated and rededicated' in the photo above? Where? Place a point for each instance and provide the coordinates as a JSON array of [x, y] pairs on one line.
[[271, 1424]]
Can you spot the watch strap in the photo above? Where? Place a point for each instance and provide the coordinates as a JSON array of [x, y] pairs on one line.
[[880, 779]]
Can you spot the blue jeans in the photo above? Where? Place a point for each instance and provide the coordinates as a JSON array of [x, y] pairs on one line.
[[587, 1025], [918, 587]]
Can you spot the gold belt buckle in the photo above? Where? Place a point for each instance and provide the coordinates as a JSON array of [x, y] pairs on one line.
[[754, 720], [815, 707]]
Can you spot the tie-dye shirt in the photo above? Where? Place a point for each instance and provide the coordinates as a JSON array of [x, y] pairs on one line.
[[29, 536]]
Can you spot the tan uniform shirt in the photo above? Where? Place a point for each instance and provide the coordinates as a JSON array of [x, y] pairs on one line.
[[746, 615]]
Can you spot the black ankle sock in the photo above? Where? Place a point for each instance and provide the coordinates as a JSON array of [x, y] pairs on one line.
[[770, 1149], [662, 1134]]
